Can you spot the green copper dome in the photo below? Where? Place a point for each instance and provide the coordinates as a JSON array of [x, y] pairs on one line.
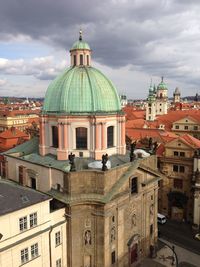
[[80, 45], [162, 85], [80, 90]]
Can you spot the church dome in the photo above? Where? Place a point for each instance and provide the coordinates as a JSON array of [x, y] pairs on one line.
[[79, 90], [80, 45], [162, 85]]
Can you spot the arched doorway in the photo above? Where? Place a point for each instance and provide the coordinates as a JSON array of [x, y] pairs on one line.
[[133, 250]]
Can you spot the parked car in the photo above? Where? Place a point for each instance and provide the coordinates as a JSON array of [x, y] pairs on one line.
[[161, 218]]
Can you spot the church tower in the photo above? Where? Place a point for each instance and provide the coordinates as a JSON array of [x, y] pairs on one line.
[[82, 111], [151, 105], [177, 96], [161, 98], [157, 101]]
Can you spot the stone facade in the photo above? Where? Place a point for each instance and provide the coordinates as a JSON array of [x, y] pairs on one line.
[[110, 218], [176, 196]]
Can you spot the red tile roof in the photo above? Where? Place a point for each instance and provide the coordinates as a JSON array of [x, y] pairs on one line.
[[157, 134], [190, 140], [13, 133]]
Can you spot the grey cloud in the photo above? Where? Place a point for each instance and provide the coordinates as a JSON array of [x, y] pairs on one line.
[[155, 37], [43, 68]]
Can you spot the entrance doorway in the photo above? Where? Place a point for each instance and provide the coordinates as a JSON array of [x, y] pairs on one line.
[[133, 254]]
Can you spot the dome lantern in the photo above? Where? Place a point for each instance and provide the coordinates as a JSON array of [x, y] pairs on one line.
[[80, 53]]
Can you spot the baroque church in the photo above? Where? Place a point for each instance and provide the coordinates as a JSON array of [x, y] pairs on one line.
[[157, 101], [80, 160]]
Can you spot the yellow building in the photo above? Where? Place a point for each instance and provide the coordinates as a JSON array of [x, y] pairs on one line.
[[20, 119], [33, 228], [176, 197]]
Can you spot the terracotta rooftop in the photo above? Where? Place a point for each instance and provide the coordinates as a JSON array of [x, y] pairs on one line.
[[13, 133], [161, 136]]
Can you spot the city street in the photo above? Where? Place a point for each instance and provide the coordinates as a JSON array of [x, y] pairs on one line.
[[186, 258], [180, 234]]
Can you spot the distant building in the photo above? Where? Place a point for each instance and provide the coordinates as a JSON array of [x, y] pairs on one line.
[[157, 101], [11, 138], [177, 96], [20, 119], [123, 99], [33, 228], [176, 197]]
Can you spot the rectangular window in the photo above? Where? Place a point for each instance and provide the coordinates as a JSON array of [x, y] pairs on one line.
[[182, 154], [58, 263], [175, 153], [33, 183], [23, 223], [110, 136], [175, 168], [195, 128], [57, 238], [178, 183], [134, 188], [81, 60], [177, 127], [55, 136], [34, 251], [33, 219], [74, 60], [186, 127], [24, 255], [21, 174], [113, 257], [88, 63], [181, 169]]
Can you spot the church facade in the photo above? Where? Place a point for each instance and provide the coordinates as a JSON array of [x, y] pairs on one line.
[[157, 101], [111, 205]]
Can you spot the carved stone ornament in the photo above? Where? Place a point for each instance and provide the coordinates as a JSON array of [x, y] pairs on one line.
[[133, 220], [152, 209], [87, 237], [112, 234]]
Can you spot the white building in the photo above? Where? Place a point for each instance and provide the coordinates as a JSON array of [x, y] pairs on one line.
[[157, 101], [33, 228]]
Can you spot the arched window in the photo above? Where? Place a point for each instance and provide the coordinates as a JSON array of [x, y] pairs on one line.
[[110, 136], [55, 136], [74, 60], [81, 59], [81, 138], [88, 60]]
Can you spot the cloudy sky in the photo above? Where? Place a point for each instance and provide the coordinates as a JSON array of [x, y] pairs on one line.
[[133, 41]]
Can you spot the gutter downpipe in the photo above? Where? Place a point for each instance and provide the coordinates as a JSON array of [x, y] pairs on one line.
[[50, 256]]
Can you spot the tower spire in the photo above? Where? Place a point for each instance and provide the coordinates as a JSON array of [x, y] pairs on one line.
[[80, 35]]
